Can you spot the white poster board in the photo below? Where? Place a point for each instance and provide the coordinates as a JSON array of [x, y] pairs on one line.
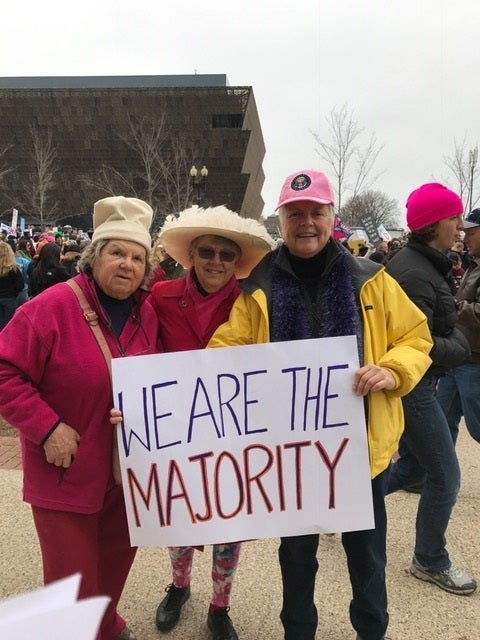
[[239, 443], [52, 612]]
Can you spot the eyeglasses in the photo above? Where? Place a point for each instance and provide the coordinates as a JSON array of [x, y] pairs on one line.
[[207, 253]]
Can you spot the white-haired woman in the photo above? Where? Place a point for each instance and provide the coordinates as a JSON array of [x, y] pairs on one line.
[[217, 246], [55, 388]]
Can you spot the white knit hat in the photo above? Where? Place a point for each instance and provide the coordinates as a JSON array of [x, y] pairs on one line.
[[120, 218], [177, 235]]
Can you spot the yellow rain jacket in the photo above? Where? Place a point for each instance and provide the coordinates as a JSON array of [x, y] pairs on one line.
[[395, 336]]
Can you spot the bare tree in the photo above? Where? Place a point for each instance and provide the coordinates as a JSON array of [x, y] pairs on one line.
[[37, 193], [463, 164], [147, 138], [351, 164], [166, 161], [4, 168], [111, 181], [162, 175], [377, 205], [177, 182]]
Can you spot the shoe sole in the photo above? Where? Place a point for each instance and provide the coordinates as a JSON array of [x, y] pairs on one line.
[[427, 577]]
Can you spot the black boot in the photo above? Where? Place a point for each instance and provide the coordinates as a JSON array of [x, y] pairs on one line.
[[168, 611], [220, 625]]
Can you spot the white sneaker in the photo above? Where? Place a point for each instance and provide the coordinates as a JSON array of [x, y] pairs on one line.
[[453, 579]]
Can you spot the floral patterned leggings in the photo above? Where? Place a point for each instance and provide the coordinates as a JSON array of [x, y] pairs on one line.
[[224, 563]]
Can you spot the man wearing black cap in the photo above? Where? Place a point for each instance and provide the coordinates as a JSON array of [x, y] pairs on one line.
[[459, 388]]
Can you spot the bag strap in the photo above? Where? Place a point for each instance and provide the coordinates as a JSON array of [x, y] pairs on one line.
[[92, 319]]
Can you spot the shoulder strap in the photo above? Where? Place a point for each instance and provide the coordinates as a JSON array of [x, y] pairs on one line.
[[92, 319]]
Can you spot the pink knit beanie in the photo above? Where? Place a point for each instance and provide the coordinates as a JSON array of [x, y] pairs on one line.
[[430, 203]]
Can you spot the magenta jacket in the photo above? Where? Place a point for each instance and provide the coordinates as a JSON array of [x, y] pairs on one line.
[[51, 370]]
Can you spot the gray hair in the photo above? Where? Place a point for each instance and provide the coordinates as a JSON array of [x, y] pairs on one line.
[[92, 252], [283, 209]]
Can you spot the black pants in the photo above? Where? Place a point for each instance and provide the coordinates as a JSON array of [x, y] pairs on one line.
[[366, 559]]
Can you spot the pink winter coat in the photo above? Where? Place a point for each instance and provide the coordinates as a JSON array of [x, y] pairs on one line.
[[51, 370]]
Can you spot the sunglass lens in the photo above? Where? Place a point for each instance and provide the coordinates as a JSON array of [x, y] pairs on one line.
[[207, 253], [226, 256]]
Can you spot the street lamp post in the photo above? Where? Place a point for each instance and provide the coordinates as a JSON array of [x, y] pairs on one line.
[[472, 163], [199, 182]]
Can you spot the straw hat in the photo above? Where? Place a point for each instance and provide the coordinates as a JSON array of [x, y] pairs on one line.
[[177, 235]]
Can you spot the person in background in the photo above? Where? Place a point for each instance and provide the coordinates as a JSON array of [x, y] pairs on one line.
[[217, 246], [25, 248], [457, 270], [158, 272], [23, 264], [377, 256], [459, 247], [383, 247], [427, 452], [11, 283], [459, 389], [394, 245], [58, 239], [12, 241], [171, 267], [71, 254], [36, 257], [48, 270], [311, 287], [62, 411]]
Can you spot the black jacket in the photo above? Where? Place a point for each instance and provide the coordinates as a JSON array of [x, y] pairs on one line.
[[39, 282], [423, 273], [11, 284]]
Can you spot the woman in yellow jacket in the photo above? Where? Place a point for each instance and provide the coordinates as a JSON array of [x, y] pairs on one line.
[[312, 287]]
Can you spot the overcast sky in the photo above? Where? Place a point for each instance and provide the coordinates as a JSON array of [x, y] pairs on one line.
[[408, 70]]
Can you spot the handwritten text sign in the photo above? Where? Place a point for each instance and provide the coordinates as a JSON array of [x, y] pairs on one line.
[[248, 442]]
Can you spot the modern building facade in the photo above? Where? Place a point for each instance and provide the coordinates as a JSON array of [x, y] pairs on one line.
[[65, 142]]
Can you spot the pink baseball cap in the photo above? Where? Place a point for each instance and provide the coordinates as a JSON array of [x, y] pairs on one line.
[[306, 185]]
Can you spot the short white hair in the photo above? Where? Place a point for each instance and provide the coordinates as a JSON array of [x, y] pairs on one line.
[[282, 209]]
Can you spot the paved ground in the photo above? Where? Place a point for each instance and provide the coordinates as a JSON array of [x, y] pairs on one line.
[[419, 611], [10, 457]]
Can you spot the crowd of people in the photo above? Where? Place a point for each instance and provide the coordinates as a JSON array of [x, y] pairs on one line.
[[214, 279], [32, 262]]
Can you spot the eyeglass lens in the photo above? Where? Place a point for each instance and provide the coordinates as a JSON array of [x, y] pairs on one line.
[[207, 253]]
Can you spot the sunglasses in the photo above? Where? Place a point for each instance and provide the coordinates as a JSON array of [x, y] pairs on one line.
[[207, 253]]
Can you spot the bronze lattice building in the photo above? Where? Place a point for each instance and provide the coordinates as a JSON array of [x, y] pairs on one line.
[[65, 142]]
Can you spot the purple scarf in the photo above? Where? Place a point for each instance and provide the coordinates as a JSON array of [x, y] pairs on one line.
[[334, 313]]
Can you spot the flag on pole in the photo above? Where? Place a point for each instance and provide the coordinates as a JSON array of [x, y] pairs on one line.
[[341, 230]]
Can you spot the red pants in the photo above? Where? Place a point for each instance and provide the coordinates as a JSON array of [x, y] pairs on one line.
[[96, 545]]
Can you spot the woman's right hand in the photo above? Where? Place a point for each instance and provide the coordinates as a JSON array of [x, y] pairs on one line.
[[61, 445]]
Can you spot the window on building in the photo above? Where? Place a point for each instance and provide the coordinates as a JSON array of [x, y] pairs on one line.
[[227, 121]]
